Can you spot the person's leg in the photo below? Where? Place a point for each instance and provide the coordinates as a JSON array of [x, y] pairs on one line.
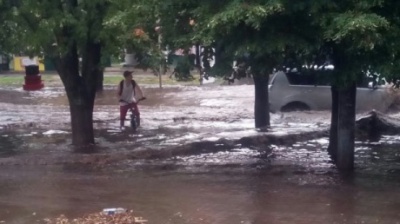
[[123, 110], [136, 111]]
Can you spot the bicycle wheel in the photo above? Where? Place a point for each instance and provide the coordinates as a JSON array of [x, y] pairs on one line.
[[133, 122]]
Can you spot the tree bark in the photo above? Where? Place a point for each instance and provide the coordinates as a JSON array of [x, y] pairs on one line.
[[261, 107], [81, 89], [333, 135], [81, 82], [100, 82], [80, 99], [342, 134], [346, 127], [82, 122]]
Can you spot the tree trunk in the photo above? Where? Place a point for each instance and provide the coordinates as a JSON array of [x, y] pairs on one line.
[[80, 100], [81, 82], [261, 107], [333, 135], [100, 82], [81, 122], [346, 127], [81, 90]]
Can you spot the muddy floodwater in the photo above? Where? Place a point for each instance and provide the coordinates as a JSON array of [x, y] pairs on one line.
[[41, 175]]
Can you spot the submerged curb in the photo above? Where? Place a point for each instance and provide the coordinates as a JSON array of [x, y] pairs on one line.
[[259, 142]]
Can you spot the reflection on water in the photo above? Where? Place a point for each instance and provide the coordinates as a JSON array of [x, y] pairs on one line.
[[9, 145]]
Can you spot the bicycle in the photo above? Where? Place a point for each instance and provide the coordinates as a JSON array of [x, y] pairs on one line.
[[135, 121]]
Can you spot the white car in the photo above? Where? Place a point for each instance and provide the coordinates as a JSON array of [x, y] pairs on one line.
[[293, 90]]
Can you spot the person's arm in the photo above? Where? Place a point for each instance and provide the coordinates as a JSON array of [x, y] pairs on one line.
[[119, 91], [139, 92]]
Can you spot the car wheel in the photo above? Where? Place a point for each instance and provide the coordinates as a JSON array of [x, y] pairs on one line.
[[295, 106]]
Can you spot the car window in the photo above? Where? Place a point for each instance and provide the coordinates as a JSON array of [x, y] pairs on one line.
[[310, 77], [317, 77]]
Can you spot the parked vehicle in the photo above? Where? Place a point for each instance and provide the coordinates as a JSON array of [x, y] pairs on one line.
[[290, 91]]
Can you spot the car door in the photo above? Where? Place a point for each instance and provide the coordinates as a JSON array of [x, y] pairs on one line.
[[278, 88], [301, 89], [322, 95]]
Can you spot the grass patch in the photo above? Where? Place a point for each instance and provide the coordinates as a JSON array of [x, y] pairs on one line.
[[15, 80], [149, 80], [53, 80]]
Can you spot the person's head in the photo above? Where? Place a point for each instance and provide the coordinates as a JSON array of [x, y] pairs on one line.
[[128, 75]]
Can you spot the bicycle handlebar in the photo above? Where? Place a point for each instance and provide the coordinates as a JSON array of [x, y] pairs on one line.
[[141, 99]]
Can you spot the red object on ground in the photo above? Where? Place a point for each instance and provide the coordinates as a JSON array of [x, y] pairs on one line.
[[33, 82]]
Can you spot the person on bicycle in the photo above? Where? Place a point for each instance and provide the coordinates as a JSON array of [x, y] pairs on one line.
[[129, 93]]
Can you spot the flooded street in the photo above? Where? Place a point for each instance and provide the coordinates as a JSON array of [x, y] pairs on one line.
[[216, 181]]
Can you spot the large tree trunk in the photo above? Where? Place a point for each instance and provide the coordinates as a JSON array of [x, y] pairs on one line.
[[261, 107], [342, 134], [100, 82], [80, 97], [82, 121], [333, 134], [80, 82], [81, 89], [346, 127]]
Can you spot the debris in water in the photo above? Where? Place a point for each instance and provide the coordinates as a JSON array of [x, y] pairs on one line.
[[126, 217], [52, 132], [113, 211]]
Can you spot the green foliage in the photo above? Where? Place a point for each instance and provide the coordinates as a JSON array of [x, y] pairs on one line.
[[353, 32], [268, 31], [251, 14], [46, 24], [356, 36], [133, 24], [274, 33], [9, 28]]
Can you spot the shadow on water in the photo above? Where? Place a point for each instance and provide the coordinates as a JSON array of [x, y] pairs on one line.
[[10, 145]]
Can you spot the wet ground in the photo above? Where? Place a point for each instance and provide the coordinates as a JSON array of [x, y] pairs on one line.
[[41, 176]]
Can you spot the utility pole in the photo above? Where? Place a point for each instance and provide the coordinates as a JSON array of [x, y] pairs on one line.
[[158, 29], [162, 58]]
